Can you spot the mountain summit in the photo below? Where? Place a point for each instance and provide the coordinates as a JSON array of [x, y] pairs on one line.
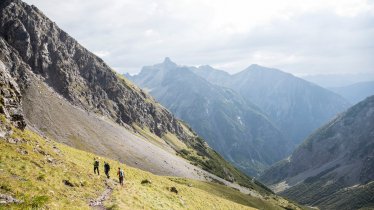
[[295, 106], [168, 63], [235, 128]]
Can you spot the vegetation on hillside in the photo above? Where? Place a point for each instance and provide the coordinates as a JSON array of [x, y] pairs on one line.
[[42, 173]]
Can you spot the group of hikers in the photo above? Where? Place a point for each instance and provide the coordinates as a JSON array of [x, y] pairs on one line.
[[120, 172]]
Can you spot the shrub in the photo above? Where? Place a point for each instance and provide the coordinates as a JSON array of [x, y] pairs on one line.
[[39, 201]]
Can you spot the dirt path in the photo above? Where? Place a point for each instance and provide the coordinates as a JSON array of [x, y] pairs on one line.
[[98, 202]]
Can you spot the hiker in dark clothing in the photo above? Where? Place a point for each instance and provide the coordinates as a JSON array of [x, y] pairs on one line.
[[107, 169], [96, 166], [121, 175]]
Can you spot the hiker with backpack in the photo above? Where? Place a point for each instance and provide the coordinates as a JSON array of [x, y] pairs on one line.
[[96, 166], [121, 175], [106, 169]]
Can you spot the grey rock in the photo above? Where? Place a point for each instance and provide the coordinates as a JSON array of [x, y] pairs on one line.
[[334, 167], [22, 151], [77, 74], [10, 96], [7, 199]]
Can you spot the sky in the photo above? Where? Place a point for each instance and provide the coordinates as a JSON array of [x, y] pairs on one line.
[[302, 37]]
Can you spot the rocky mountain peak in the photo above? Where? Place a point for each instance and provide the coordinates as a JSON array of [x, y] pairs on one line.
[[77, 74], [168, 63], [258, 69], [207, 67]]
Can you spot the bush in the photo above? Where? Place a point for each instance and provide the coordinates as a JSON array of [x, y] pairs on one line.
[[41, 177], [39, 201], [184, 152], [5, 187]]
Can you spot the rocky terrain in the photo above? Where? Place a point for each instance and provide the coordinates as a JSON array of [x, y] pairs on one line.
[[238, 130], [77, 74], [10, 104], [71, 95], [334, 167]]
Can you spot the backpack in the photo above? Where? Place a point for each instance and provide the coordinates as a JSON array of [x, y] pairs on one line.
[[96, 163], [121, 173]]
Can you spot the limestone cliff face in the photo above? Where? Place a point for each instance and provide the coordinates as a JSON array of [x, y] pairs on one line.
[[77, 74], [10, 94]]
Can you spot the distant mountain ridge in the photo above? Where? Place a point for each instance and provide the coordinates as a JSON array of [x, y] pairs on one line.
[[296, 106], [234, 127], [334, 167], [339, 80], [355, 92]]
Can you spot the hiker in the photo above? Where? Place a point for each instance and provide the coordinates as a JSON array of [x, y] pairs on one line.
[[121, 175], [107, 169], [96, 166]]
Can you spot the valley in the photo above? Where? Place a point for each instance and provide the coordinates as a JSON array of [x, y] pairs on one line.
[[186, 136]]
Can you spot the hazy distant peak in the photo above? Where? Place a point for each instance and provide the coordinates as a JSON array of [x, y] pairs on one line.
[[168, 62], [255, 68], [205, 67]]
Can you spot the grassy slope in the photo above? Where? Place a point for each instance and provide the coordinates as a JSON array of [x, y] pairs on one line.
[[204, 157], [37, 179]]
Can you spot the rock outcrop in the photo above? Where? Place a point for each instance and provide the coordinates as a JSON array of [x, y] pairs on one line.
[[77, 74], [10, 94], [334, 167]]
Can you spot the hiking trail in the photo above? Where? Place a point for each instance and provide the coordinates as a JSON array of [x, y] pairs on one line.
[[98, 202]]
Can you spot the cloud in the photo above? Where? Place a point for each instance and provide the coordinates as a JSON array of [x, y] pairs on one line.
[[101, 53], [298, 36]]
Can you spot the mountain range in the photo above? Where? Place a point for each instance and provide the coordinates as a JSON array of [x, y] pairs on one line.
[[295, 106], [339, 80], [253, 118], [334, 167], [54, 89], [235, 128], [61, 107]]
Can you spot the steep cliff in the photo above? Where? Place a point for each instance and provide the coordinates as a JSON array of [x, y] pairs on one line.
[[334, 167], [73, 96]]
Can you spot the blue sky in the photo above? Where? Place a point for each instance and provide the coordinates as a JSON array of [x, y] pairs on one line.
[[302, 37]]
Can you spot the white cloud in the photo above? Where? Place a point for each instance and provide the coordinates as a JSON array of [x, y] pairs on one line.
[[299, 36], [102, 53]]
